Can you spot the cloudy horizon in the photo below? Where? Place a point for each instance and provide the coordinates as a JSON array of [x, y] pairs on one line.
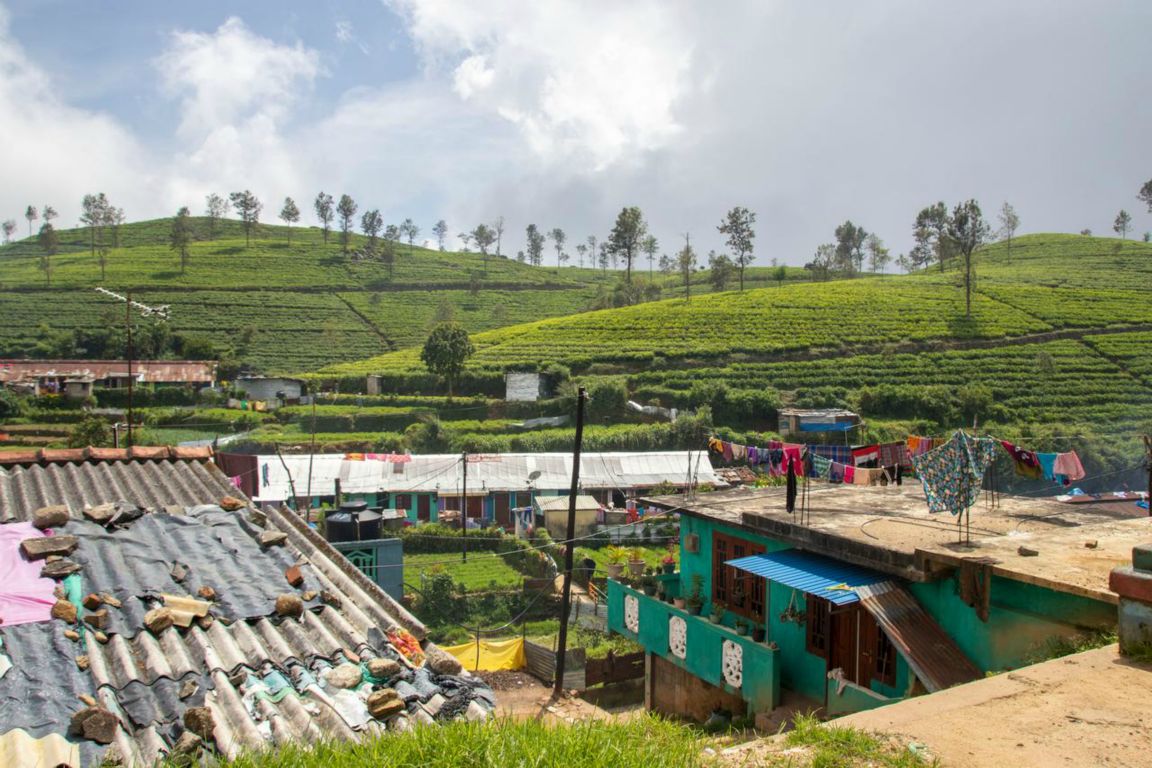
[[561, 113]]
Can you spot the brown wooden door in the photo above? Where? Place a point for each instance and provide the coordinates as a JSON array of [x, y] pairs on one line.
[[475, 506], [842, 650], [503, 510], [423, 508]]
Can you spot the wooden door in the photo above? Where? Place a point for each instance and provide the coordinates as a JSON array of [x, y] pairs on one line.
[[475, 506], [423, 508], [503, 510], [843, 647]]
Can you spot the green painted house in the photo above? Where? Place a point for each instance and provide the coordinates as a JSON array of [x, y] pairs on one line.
[[861, 597]]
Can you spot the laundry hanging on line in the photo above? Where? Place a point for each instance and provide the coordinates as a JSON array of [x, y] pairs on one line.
[[953, 473]]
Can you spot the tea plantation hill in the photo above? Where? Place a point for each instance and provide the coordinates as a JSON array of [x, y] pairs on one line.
[[1059, 342], [288, 307]]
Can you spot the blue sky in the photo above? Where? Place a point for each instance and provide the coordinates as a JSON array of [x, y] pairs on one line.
[[560, 113]]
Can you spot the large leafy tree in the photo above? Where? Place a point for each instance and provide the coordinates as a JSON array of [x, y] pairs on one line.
[[181, 236], [324, 208], [9, 227], [346, 209], [216, 207], [650, 246], [878, 255], [850, 241], [92, 215], [626, 237], [1145, 194], [248, 206], [1122, 224], [410, 232], [737, 228], [535, 245], [483, 236], [31, 214], [370, 223], [966, 232], [289, 214], [720, 270], [446, 351]]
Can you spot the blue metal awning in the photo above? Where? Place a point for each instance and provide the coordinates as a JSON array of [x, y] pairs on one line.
[[824, 577]]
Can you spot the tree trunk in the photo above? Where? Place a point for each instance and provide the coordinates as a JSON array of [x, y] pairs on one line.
[[968, 285]]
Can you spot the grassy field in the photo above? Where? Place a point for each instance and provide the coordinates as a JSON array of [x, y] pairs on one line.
[[481, 571]]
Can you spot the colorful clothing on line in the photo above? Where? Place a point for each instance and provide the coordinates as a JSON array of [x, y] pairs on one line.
[[849, 474], [893, 455], [841, 454], [727, 450], [820, 466], [865, 455], [1047, 463], [1068, 467], [952, 474], [1027, 463]]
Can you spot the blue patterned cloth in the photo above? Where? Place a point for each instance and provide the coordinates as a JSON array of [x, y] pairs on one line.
[[841, 454], [952, 473]]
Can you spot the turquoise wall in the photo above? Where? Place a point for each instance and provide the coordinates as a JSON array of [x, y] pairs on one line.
[[1021, 618], [701, 561]]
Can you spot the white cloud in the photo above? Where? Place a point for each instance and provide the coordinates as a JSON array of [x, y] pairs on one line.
[[344, 31], [588, 83]]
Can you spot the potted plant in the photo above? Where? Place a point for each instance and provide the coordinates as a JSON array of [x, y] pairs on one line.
[[615, 557], [695, 600], [759, 632], [717, 614], [636, 561], [649, 582], [741, 627], [668, 563]]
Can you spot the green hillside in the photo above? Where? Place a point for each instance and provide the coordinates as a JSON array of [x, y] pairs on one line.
[[283, 307], [1058, 335]]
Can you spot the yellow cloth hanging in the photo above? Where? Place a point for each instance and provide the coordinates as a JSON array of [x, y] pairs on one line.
[[493, 654]]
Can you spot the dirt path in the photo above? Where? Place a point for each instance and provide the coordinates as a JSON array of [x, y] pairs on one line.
[[521, 696]]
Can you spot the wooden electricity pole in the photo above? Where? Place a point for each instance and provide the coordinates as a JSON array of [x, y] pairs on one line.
[[569, 546]]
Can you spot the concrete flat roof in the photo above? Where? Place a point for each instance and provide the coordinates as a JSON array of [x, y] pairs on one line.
[[890, 529]]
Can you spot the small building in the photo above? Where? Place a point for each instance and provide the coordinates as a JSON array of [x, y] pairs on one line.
[[869, 600], [796, 420], [271, 389], [79, 378], [554, 512], [525, 387]]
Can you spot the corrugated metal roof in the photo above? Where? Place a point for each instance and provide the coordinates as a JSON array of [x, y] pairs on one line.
[[561, 502], [19, 750], [156, 371], [824, 577], [140, 676], [24, 489], [494, 472], [932, 655]]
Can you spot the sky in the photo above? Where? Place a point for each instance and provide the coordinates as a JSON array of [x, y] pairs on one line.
[[561, 112]]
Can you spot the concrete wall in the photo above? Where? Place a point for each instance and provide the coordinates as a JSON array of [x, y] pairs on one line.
[[678, 693], [381, 560], [556, 521]]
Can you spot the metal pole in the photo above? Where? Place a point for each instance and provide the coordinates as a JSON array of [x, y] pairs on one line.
[[570, 545], [311, 455], [464, 510], [128, 349]]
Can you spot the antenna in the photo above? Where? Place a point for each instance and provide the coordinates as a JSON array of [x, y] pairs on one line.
[[145, 311]]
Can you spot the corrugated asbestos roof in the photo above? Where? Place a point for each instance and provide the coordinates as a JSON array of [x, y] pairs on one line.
[[932, 655], [833, 580], [24, 489], [261, 676], [494, 472]]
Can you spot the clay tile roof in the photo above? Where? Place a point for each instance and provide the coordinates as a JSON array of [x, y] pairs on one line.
[[192, 453], [107, 454], [61, 455], [154, 452]]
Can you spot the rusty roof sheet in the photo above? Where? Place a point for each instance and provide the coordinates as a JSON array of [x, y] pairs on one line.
[[93, 454], [150, 371], [932, 655]]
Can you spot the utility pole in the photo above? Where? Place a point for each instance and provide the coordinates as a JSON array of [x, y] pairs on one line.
[[464, 510], [146, 311], [570, 545]]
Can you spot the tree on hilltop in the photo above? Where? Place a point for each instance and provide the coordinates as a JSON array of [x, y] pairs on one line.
[[446, 351], [49, 213], [346, 209], [850, 241], [181, 236], [289, 214], [323, 207], [31, 214], [116, 218], [370, 223], [535, 245], [626, 237], [581, 252], [216, 208], [9, 227], [1145, 194], [410, 232], [1122, 224], [249, 207], [558, 238], [967, 231], [737, 226], [440, 230], [93, 210], [720, 269], [591, 240], [1009, 222], [605, 254], [484, 236], [878, 255], [498, 228], [686, 263], [930, 232], [650, 246], [49, 243]]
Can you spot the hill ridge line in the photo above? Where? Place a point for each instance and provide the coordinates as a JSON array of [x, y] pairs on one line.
[[364, 319]]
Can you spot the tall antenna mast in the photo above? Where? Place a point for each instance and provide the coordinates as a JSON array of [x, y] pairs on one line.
[[145, 311]]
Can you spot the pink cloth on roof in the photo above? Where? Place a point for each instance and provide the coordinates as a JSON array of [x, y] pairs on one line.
[[792, 457], [850, 474], [1068, 464], [25, 597]]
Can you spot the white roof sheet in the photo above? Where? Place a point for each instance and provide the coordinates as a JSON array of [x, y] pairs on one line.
[[494, 472]]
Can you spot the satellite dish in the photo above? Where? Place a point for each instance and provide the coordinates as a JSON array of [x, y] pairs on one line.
[[535, 474]]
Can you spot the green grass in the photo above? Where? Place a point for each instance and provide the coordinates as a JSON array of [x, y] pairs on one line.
[[644, 742], [482, 570], [1059, 647], [832, 746], [652, 556]]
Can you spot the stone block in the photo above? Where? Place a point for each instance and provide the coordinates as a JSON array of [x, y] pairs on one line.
[[344, 676], [92, 601], [59, 569], [1142, 557], [97, 619], [1134, 626], [94, 723], [51, 517], [40, 547], [158, 619], [294, 575], [199, 720], [273, 539], [1131, 584], [385, 703], [231, 504], [383, 668], [289, 605], [65, 611]]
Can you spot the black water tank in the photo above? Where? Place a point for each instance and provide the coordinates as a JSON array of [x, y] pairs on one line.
[[353, 522]]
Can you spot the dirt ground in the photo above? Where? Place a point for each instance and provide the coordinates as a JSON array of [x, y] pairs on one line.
[[521, 696], [1090, 709]]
